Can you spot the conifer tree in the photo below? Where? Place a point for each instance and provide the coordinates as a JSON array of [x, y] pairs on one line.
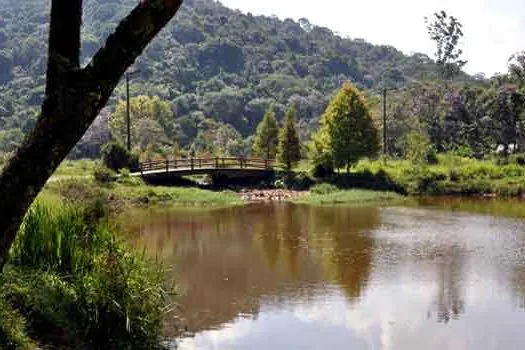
[[347, 130], [289, 149], [266, 137]]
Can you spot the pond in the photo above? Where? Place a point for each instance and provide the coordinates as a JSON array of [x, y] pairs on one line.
[[444, 274]]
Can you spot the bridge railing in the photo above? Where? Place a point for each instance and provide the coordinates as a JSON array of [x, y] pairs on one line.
[[206, 163]]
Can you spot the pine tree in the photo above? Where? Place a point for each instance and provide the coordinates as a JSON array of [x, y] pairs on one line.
[[347, 130], [289, 149], [266, 137]]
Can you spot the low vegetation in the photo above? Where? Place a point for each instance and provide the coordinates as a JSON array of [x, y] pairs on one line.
[[71, 282], [450, 175], [127, 191], [326, 194]]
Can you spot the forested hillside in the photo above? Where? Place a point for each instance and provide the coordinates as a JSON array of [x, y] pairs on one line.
[[213, 64]]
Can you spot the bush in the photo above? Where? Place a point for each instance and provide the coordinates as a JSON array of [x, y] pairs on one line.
[[104, 175], [417, 147], [298, 181], [126, 179], [79, 285], [115, 156], [432, 157], [13, 332], [324, 188], [518, 159], [322, 171]]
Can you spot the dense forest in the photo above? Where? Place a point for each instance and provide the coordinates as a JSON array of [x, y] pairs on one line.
[[219, 69], [213, 73]]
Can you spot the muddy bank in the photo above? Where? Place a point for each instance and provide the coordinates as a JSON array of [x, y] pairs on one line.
[[271, 195]]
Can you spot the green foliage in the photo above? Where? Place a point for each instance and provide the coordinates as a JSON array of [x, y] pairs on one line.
[[267, 136], [152, 121], [212, 61], [13, 332], [79, 285], [452, 175], [352, 197], [417, 147], [347, 130], [81, 167], [289, 148], [324, 188], [115, 156], [104, 175]]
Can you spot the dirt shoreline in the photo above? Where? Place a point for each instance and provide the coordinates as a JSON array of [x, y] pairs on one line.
[[272, 195]]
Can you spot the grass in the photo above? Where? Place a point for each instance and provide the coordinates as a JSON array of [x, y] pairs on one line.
[[82, 167], [326, 194], [453, 175], [71, 282], [130, 191]]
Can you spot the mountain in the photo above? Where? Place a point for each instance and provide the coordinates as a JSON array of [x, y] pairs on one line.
[[209, 62]]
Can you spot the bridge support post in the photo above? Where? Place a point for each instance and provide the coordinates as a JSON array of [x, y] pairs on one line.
[[216, 162], [167, 166], [192, 165]]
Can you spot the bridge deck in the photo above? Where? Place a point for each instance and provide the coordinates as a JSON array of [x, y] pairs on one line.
[[203, 166]]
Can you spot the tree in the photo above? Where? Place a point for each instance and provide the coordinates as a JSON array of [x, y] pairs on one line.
[[517, 68], [347, 130], [446, 31], [289, 149], [267, 136], [115, 157], [73, 98], [152, 121]]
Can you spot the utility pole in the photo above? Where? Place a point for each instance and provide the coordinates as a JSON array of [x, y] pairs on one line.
[[385, 150], [128, 119], [128, 112]]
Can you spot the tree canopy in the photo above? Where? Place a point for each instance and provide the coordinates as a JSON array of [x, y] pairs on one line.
[[347, 129], [289, 148], [212, 61], [267, 136]]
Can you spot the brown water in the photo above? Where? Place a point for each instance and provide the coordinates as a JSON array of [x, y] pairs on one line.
[[447, 274]]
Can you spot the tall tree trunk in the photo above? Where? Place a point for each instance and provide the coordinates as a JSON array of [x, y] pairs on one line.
[[73, 99]]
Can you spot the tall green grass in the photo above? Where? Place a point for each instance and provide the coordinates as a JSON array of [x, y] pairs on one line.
[[451, 175], [78, 285]]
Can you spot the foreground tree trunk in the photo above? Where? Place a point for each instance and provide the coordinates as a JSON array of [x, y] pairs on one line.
[[74, 97]]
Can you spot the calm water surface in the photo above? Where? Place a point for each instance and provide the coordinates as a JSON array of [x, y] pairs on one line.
[[447, 274]]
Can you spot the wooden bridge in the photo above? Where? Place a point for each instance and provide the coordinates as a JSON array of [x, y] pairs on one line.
[[224, 167]]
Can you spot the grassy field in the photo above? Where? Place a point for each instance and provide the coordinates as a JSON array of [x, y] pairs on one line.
[[82, 167], [325, 194], [127, 191], [452, 175]]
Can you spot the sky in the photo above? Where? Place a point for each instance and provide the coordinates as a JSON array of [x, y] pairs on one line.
[[494, 29]]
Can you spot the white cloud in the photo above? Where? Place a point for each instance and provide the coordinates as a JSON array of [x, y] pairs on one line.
[[493, 28]]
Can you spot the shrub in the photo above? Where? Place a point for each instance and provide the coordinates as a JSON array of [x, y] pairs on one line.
[[115, 156], [13, 333], [104, 175], [79, 285], [322, 170], [324, 188], [518, 159], [126, 179], [298, 181], [432, 157], [417, 147]]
